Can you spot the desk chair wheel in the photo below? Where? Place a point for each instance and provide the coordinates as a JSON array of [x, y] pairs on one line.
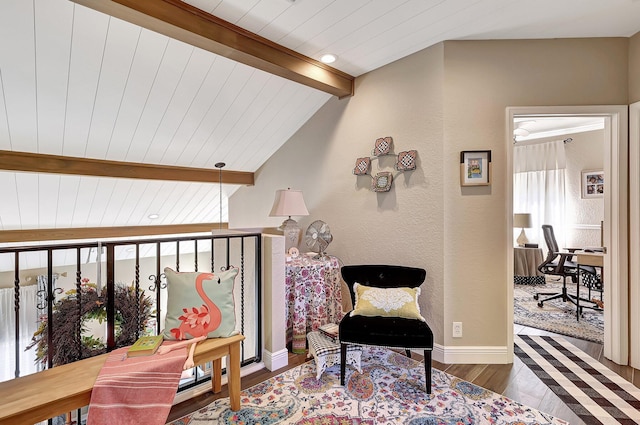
[[537, 297]]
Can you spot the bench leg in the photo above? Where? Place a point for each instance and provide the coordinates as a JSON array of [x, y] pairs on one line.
[[233, 378], [216, 376]]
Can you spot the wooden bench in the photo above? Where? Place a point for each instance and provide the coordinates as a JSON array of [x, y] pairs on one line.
[[52, 392]]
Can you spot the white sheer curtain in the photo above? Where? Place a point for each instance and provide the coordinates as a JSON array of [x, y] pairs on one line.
[[28, 325], [539, 188]]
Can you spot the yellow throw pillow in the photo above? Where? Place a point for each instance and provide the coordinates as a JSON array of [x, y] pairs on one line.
[[386, 302]]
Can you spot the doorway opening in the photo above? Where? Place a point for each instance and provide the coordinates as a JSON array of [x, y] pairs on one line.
[[558, 185], [611, 230]]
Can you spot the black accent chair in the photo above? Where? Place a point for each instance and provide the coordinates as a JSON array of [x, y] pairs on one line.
[[393, 332], [561, 264]]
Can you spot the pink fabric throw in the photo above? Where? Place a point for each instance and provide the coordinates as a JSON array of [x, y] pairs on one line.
[[137, 390]]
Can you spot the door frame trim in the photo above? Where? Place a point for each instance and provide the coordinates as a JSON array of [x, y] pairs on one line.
[[634, 233], [616, 335]]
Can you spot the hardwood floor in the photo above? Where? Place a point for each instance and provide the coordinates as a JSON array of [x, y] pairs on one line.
[[515, 381]]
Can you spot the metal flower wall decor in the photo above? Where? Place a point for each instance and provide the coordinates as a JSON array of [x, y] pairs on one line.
[[382, 181]]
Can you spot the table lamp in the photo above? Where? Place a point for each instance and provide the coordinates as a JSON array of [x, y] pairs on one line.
[[522, 221], [287, 203]]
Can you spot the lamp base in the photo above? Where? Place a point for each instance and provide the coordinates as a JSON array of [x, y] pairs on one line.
[[522, 239], [292, 232]]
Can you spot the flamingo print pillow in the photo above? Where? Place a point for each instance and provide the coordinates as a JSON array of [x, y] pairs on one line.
[[200, 304]]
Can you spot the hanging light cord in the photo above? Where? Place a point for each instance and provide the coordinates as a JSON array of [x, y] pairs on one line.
[[219, 166]]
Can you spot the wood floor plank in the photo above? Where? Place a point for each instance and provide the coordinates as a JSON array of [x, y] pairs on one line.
[[468, 372], [552, 405], [525, 386], [496, 377]]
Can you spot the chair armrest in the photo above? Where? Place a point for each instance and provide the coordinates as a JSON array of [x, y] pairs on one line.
[[565, 254], [593, 249], [563, 257]]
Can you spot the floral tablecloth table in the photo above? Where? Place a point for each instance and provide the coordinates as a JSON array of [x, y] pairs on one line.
[[314, 297]]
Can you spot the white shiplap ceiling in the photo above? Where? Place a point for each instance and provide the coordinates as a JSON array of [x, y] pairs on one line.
[[76, 82]]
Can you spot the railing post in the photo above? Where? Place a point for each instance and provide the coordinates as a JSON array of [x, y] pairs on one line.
[[195, 257], [137, 289], [111, 296], [16, 306], [51, 298], [258, 295], [78, 330], [157, 286]]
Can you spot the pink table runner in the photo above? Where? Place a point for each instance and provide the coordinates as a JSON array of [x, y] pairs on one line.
[[137, 390]]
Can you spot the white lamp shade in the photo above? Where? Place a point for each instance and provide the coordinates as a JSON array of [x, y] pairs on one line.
[[287, 203], [522, 221]]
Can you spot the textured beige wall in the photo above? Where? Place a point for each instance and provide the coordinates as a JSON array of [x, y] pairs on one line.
[[483, 78], [634, 68], [403, 226], [427, 219]]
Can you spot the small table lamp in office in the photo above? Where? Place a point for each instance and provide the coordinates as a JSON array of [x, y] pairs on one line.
[[287, 203], [522, 221]]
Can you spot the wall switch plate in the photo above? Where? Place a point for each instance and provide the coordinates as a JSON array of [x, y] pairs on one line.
[[457, 329]]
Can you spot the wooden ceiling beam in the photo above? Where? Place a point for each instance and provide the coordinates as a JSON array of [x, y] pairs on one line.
[[37, 235], [191, 25], [41, 163]]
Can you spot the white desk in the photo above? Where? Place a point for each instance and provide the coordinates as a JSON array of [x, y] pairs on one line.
[[594, 259]]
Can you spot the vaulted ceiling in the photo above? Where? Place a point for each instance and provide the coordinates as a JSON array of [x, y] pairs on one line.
[[77, 82]]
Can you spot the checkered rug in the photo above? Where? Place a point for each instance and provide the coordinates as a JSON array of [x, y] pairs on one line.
[[594, 393]]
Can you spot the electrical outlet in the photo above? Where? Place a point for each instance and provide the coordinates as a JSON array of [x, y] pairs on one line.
[[457, 329]]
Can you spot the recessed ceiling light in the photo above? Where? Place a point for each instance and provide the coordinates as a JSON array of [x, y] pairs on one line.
[[328, 58], [153, 216]]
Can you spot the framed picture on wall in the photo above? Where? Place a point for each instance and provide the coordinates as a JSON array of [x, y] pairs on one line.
[[475, 168], [592, 184]]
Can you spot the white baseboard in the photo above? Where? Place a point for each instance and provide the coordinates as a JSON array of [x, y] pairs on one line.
[[467, 355], [471, 355], [273, 361]]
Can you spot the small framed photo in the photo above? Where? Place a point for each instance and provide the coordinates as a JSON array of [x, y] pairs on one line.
[[592, 184], [475, 168]]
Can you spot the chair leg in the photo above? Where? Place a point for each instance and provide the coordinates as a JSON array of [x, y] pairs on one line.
[[427, 369], [343, 361], [407, 352], [554, 296]]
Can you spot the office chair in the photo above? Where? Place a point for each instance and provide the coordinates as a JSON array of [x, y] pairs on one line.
[[393, 332], [561, 264]]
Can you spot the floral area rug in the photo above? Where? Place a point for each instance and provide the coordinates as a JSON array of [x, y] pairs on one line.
[[556, 316], [389, 391]]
